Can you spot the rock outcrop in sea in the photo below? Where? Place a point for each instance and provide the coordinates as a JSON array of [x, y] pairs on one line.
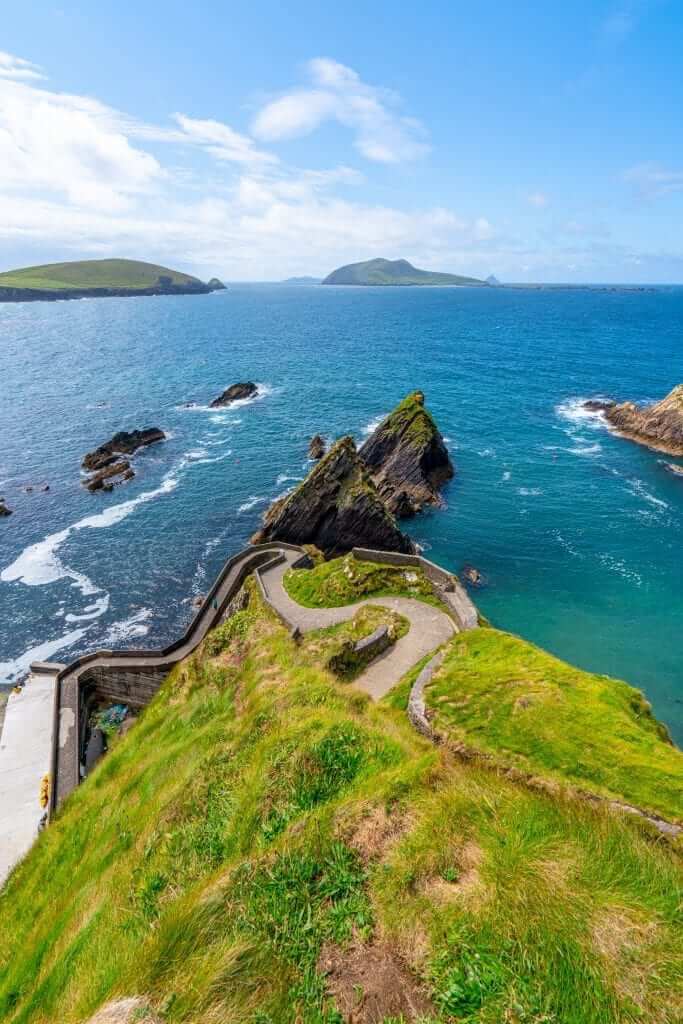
[[105, 465], [337, 507], [316, 447], [4, 510], [407, 458], [658, 426], [235, 393]]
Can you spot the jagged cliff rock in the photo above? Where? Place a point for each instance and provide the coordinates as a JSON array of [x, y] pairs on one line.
[[658, 426], [336, 508], [407, 458]]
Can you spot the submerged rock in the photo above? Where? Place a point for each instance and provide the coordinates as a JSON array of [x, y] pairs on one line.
[[407, 458], [658, 426], [337, 507], [235, 393], [671, 467], [316, 447]]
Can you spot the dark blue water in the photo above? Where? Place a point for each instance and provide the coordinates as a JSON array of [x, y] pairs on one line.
[[578, 533]]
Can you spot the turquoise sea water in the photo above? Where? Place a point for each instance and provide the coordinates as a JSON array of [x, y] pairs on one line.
[[578, 533]]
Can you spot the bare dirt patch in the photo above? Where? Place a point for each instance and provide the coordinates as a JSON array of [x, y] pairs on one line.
[[371, 983], [132, 1010], [467, 885], [373, 835]]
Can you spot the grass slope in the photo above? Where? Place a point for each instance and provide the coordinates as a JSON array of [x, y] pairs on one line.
[[504, 696], [394, 272], [81, 274], [261, 820]]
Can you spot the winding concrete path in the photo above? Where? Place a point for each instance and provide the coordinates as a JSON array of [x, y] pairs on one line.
[[429, 627]]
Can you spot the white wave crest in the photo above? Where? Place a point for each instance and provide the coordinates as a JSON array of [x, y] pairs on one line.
[[253, 501], [15, 669], [372, 426]]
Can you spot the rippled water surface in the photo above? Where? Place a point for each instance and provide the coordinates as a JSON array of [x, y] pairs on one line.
[[578, 533]]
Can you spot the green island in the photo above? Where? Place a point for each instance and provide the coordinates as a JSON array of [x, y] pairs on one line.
[[98, 278], [397, 272], [311, 858]]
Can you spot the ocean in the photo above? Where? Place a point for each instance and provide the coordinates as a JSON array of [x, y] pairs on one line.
[[578, 533]]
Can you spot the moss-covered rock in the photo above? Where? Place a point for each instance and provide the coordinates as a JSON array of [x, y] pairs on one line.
[[407, 458]]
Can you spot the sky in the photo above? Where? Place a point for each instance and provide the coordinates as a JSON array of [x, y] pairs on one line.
[[533, 141]]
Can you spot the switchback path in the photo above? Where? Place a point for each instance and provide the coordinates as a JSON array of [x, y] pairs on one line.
[[429, 627]]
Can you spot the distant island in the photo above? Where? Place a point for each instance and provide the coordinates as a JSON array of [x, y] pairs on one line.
[[397, 272], [301, 280], [82, 279]]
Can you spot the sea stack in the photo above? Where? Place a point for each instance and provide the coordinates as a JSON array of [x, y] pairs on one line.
[[336, 508], [659, 426], [235, 393], [407, 458], [316, 447]]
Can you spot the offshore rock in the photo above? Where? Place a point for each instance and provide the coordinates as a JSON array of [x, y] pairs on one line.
[[4, 510], [235, 393], [316, 447], [336, 508], [407, 458], [659, 426], [123, 443]]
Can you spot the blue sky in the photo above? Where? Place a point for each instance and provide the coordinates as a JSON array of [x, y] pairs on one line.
[[535, 141]]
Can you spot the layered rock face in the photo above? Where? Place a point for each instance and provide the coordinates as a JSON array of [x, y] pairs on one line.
[[407, 458], [104, 463], [658, 426], [235, 393], [336, 508]]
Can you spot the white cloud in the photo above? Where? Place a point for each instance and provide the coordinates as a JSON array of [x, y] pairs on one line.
[[538, 199], [652, 180], [222, 142], [69, 145], [77, 177], [16, 67], [339, 94]]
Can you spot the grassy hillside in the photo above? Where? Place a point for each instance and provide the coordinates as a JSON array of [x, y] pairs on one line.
[[394, 272], [266, 846], [504, 696], [82, 274], [345, 580]]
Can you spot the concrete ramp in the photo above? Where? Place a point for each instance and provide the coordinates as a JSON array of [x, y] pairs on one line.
[[25, 759]]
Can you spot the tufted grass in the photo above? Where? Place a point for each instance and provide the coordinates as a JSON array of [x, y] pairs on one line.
[[258, 811]]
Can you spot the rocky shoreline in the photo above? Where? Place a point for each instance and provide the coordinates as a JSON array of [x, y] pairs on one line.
[[658, 426], [59, 295]]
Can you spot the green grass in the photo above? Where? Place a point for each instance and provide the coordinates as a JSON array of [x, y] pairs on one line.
[[504, 696], [259, 811], [346, 580], [82, 274]]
